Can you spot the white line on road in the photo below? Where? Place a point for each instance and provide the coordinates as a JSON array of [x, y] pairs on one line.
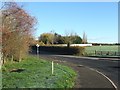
[[105, 77], [92, 68]]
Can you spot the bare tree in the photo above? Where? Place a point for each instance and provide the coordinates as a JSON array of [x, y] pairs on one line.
[[84, 40], [17, 27]]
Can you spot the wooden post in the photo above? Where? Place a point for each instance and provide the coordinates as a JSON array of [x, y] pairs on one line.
[[101, 52], [95, 52], [52, 67], [108, 52], [115, 54]]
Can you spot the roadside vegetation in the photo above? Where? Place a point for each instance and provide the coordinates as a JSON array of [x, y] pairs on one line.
[[16, 31], [36, 73]]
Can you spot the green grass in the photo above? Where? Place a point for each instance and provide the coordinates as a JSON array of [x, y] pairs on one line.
[[37, 74], [91, 50]]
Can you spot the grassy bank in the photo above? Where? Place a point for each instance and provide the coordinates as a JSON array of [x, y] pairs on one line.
[[36, 73]]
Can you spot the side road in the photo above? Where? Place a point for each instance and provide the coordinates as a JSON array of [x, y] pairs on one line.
[[87, 77], [88, 57]]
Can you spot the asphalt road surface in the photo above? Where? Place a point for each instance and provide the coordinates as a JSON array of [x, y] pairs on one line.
[[110, 68]]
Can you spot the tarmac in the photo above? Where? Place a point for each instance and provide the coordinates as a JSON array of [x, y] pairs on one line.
[[90, 78]]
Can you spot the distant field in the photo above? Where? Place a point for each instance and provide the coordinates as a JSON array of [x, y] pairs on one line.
[[111, 49]]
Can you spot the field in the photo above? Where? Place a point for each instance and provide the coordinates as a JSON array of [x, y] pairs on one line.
[[102, 50], [36, 73]]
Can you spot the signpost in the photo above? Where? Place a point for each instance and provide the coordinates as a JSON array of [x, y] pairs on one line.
[[37, 48]]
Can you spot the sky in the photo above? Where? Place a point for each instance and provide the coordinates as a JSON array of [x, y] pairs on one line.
[[99, 20]]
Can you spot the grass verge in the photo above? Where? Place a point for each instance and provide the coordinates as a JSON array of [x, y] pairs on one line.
[[36, 73]]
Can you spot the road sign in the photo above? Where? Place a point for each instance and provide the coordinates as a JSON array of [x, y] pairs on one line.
[[37, 45]]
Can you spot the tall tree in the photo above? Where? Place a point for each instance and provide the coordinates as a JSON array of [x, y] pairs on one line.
[[17, 27], [84, 40], [76, 39], [69, 38], [47, 38], [58, 39]]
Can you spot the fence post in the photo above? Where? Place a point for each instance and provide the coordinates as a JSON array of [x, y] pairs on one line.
[[108, 52], [101, 52], [115, 54], [95, 52]]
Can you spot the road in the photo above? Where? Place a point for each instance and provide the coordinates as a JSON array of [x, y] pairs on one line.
[[109, 68]]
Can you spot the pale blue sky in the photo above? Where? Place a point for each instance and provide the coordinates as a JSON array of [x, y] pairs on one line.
[[98, 19]]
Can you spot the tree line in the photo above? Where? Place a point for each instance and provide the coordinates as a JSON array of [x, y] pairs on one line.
[[55, 38]]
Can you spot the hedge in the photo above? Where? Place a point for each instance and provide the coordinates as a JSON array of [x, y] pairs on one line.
[[62, 50]]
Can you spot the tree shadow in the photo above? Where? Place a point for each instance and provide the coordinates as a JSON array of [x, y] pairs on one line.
[[17, 70]]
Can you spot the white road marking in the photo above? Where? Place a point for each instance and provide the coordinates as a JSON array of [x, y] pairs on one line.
[[105, 77], [93, 69]]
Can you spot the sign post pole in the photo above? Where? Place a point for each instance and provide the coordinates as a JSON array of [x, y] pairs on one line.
[[37, 49]]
